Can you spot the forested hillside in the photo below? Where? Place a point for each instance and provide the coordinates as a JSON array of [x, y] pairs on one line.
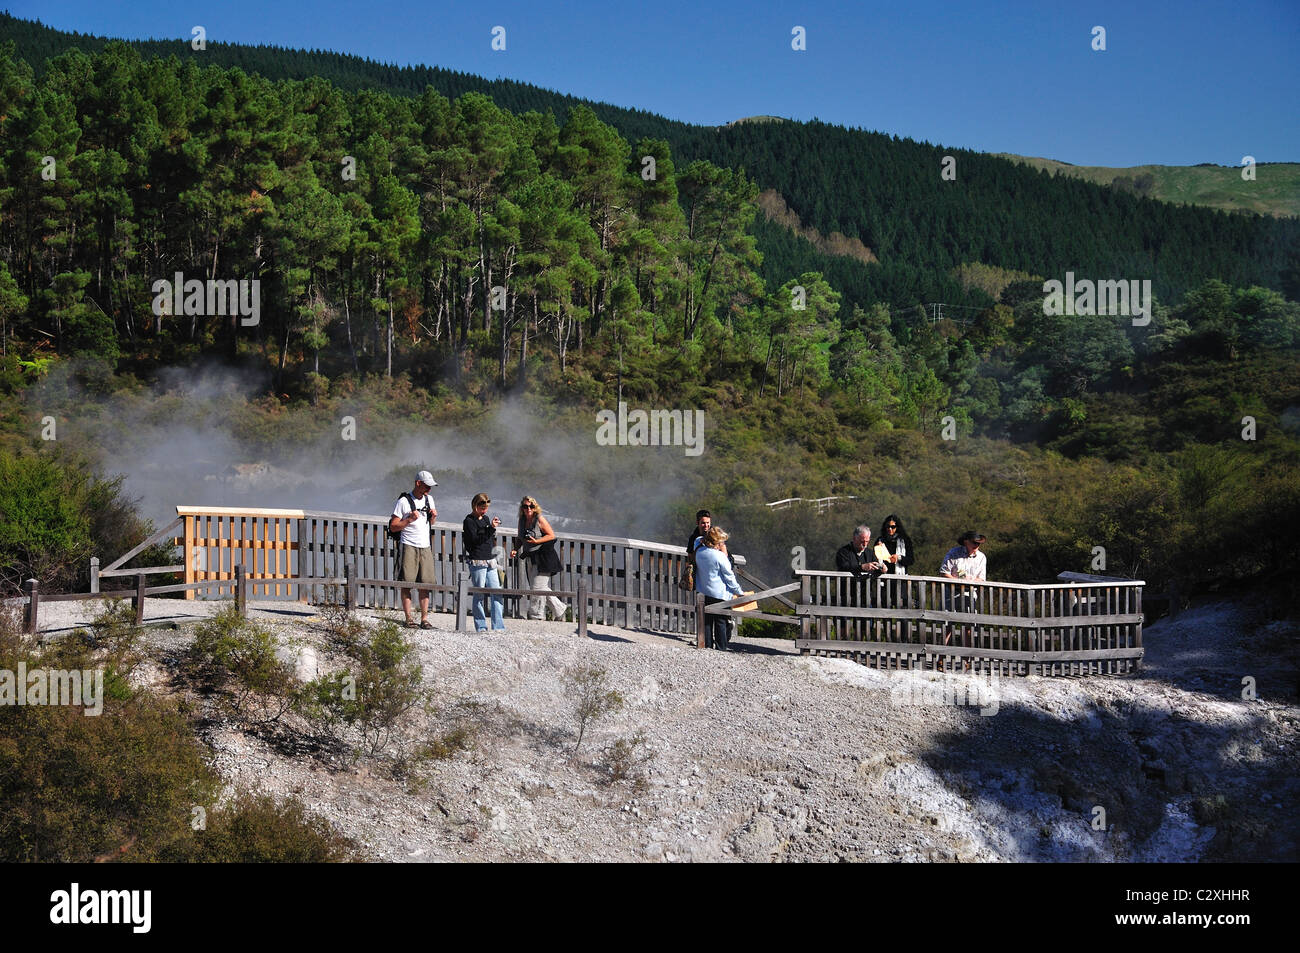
[[883, 190], [437, 253]]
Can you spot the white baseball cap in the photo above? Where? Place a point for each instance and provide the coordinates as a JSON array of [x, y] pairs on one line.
[[425, 477]]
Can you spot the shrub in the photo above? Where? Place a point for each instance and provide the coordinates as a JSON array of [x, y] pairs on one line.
[[389, 684], [113, 633], [254, 829], [109, 643], [44, 531], [588, 686], [52, 519], [627, 759], [459, 737], [13, 644], [371, 696], [343, 629], [237, 658], [123, 785], [329, 702], [73, 788]]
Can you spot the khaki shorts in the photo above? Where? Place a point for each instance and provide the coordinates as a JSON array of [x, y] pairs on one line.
[[417, 564]]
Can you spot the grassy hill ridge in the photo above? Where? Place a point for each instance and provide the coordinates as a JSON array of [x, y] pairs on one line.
[[1274, 191]]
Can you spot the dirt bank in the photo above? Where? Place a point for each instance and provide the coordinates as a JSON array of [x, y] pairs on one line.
[[760, 754]]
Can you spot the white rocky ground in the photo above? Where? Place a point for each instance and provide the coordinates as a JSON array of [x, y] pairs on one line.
[[761, 754]]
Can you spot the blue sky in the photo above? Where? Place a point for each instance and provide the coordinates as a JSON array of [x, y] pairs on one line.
[[1178, 83]]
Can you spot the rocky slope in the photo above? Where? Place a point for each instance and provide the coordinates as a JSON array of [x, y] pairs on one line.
[[760, 754]]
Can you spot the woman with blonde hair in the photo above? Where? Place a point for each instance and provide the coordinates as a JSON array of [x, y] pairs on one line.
[[714, 578], [535, 547]]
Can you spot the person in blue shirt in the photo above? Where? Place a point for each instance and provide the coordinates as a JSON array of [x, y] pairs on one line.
[[714, 578]]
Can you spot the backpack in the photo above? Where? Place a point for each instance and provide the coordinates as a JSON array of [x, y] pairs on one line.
[[396, 536]]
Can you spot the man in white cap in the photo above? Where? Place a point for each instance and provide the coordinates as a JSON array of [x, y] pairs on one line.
[[412, 516]]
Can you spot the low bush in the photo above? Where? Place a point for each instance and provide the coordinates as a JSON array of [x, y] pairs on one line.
[[52, 519], [110, 643], [126, 784], [119, 785], [587, 685], [627, 759], [255, 829], [237, 659], [342, 628], [370, 696]]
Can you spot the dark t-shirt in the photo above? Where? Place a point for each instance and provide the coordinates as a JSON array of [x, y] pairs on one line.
[[847, 559], [479, 534]]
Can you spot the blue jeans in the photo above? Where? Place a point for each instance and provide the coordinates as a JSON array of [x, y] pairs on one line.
[[486, 577]]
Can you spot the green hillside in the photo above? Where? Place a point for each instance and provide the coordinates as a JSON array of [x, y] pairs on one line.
[[870, 187], [1275, 189], [439, 261]]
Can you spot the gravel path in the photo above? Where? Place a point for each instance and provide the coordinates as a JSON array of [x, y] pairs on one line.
[[761, 754]]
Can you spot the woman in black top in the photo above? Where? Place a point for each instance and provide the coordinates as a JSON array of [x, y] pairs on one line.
[[535, 547], [479, 533], [897, 545], [894, 551]]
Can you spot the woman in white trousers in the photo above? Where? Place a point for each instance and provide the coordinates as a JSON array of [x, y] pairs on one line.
[[535, 547]]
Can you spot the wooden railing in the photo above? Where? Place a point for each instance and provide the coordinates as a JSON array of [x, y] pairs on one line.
[[216, 539], [1076, 627], [298, 553], [1073, 628]]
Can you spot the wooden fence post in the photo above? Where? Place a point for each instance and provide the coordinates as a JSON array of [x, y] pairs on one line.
[[303, 593], [241, 590], [33, 605], [462, 599], [94, 574], [700, 621], [805, 623], [140, 581], [580, 609], [350, 586]]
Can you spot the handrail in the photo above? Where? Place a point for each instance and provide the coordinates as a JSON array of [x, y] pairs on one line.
[[1035, 586], [904, 621], [504, 530], [185, 510], [622, 580]]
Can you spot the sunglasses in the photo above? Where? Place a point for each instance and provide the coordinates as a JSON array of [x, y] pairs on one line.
[[528, 506], [892, 526]]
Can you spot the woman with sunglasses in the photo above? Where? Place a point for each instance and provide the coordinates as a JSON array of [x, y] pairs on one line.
[[894, 547], [535, 547], [478, 534], [895, 553]]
